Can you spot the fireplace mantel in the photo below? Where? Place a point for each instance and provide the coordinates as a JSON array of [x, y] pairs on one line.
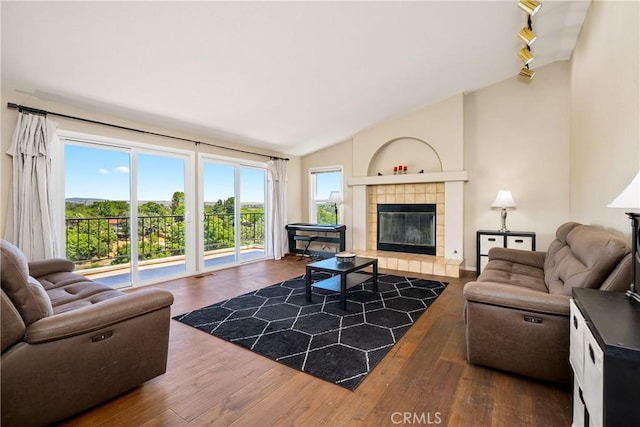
[[413, 178]]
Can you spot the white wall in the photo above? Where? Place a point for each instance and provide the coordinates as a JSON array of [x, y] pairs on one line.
[[605, 113], [517, 137], [439, 125], [9, 118]]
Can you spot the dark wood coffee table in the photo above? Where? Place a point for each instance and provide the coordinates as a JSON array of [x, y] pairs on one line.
[[345, 276]]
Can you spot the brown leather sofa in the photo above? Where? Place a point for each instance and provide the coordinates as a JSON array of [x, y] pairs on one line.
[[69, 343], [517, 311]]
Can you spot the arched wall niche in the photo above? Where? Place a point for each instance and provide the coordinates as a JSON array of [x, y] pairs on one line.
[[415, 153]]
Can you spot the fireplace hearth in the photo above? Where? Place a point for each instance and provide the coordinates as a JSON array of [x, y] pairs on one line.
[[407, 228]]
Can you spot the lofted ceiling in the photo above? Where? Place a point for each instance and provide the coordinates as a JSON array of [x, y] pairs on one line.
[[293, 77]]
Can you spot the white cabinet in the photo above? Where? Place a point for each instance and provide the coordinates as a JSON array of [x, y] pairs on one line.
[[587, 360], [576, 342], [487, 239], [605, 357]]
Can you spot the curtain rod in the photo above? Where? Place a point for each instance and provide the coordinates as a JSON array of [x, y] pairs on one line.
[[45, 112]]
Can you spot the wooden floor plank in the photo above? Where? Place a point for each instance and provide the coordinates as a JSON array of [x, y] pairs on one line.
[[474, 398], [425, 375], [234, 405], [167, 418]]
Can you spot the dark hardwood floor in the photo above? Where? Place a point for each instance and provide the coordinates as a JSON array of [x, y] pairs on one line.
[[424, 380]]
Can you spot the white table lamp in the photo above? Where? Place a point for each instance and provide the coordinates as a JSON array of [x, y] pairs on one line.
[[630, 196], [504, 201], [630, 199]]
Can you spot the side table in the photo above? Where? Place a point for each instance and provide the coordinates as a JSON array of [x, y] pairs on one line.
[[345, 276], [487, 239]]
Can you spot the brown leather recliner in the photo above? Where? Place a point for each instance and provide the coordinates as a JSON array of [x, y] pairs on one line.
[[69, 343], [517, 311]]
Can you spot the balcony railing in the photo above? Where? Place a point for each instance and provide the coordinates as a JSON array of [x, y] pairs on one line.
[[94, 242]]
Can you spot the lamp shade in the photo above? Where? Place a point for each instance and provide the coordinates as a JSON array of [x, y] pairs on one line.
[[630, 196], [504, 200], [335, 197]]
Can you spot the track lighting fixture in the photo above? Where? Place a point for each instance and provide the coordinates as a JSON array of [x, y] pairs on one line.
[[527, 36], [525, 55], [530, 6], [526, 73]]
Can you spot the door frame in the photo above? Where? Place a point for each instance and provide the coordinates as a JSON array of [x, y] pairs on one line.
[[237, 164]]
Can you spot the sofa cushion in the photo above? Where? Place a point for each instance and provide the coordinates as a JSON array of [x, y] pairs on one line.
[[586, 259], [26, 293], [69, 291], [81, 295], [511, 273], [560, 241]]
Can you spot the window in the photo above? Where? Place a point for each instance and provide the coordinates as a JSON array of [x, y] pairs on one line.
[[322, 182]]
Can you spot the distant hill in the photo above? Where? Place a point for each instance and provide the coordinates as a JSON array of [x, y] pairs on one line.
[[87, 202], [83, 201]]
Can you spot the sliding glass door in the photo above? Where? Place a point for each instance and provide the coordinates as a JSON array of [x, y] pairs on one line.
[[218, 207], [252, 213], [125, 216], [129, 208], [232, 212], [161, 216], [97, 184]]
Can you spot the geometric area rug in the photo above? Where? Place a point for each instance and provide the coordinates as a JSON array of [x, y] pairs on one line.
[[319, 338]]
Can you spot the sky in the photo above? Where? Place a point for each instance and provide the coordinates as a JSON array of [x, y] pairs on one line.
[[97, 173], [326, 183]]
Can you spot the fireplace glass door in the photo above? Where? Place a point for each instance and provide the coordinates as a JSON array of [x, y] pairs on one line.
[[407, 228]]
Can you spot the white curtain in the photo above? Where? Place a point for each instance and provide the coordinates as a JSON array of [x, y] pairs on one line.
[[30, 215], [277, 193]]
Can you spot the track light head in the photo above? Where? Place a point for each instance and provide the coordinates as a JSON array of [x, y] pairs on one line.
[[526, 73], [527, 36], [525, 55], [530, 6]]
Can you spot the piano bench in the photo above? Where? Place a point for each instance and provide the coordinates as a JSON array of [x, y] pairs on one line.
[[307, 241]]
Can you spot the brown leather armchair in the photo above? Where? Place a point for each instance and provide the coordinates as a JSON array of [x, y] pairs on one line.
[[517, 311], [69, 343]]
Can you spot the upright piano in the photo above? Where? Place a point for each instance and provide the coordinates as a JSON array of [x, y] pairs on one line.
[[332, 234]]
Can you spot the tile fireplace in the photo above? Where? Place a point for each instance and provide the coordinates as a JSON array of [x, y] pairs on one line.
[[404, 198], [430, 141], [406, 190]]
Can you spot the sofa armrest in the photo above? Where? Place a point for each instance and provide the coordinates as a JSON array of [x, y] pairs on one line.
[[530, 258], [48, 266], [516, 297], [97, 316]]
